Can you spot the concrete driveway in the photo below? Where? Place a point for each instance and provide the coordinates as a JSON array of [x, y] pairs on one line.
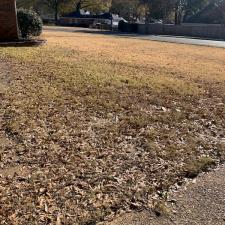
[[161, 38], [200, 202]]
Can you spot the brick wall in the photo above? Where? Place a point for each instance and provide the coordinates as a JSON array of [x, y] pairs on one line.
[[8, 21]]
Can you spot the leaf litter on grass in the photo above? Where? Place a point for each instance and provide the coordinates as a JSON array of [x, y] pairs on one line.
[[93, 137]]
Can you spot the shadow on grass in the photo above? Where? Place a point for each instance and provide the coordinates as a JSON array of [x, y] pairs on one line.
[[126, 34], [92, 31]]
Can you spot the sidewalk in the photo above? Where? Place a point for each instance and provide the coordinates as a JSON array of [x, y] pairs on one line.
[[184, 40]]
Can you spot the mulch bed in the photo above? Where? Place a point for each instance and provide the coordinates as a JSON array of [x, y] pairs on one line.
[[22, 43]]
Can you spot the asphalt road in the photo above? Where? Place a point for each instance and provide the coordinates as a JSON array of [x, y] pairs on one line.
[[161, 38]]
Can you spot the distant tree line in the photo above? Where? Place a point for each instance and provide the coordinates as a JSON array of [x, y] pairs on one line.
[[175, 11]]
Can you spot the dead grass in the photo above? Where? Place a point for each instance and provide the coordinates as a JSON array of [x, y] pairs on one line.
[[193, 168], [103, 123]]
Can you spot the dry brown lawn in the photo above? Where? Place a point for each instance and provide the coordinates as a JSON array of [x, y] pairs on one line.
[[95, 125]]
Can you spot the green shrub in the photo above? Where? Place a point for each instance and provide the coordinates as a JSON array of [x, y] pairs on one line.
[[29, 22], [127, 27], [121, 25]]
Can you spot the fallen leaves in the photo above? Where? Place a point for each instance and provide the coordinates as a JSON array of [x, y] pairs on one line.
[[101, 136]]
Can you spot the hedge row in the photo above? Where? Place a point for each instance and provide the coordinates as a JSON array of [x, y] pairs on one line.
[[128, 27]]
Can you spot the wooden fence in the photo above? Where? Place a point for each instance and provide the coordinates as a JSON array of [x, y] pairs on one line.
[[211, 31]]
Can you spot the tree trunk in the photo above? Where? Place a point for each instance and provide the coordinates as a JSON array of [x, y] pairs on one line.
[[78, 7], [176, 14], [56, 11]]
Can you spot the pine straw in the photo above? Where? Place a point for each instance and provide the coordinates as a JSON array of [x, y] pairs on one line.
[[93, 126]]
